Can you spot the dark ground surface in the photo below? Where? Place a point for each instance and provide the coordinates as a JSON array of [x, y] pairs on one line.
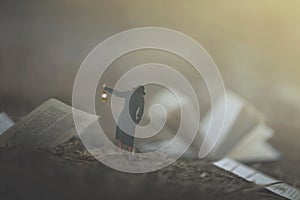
[[69, 172]]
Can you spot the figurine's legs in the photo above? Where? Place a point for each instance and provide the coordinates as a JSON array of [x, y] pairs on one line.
[[120, 145], [131, 149]]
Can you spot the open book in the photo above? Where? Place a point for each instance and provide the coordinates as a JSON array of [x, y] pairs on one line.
[[48, 125], [244, 136]]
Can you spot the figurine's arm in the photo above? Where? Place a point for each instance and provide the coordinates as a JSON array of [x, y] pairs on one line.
[[116, 92]]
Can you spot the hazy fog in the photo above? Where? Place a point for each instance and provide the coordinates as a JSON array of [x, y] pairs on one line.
[[254, 43]]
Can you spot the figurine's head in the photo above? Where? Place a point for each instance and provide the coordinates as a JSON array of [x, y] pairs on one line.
[[140, 89]]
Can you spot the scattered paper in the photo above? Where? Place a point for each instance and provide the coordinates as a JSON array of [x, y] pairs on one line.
[[259, 178]]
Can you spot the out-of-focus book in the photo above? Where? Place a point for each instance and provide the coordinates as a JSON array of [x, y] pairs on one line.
[[244, 135]]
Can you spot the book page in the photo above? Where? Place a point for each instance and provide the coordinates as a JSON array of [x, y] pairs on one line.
[[5, 122], [254, 147], [48, 125], [241, 117]]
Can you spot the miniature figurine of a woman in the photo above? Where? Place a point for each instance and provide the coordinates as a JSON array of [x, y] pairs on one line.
[[130, 115]]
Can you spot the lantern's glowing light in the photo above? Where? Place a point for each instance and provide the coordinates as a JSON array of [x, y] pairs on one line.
[[104, 96]]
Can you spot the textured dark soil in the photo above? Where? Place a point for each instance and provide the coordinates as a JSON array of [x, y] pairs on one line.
[[69, 172]]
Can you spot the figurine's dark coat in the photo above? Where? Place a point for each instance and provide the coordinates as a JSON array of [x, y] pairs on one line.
[[130, 115]]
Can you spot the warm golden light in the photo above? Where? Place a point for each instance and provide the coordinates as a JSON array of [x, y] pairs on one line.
[[103, 96]]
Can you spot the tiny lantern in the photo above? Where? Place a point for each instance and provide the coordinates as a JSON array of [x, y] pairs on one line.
[[103, 96]]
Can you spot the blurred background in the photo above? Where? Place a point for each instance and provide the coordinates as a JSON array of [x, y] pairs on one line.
[[254, 44]]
